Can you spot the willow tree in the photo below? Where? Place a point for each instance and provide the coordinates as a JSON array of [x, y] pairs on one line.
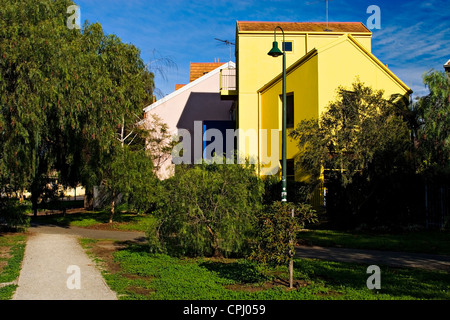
[[65, 93]]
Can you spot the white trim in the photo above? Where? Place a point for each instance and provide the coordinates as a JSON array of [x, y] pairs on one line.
[[190, 85]]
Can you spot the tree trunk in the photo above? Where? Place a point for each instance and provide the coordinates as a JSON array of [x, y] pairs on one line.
[[34, 200], [291, 273], [89, 199], [291, 259], [113, 206], [34, 205], [217, 253]]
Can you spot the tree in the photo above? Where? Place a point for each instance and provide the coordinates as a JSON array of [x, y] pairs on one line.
[[129, 177], [158, 139], [359, 133], [360, 142], [433, 133], [208, 209], [278, 226], [65, 94]]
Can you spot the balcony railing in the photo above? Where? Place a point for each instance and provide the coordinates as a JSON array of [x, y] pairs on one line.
[[228, 80]]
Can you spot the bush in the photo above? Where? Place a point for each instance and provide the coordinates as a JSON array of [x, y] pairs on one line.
[[298, 192], [278, 226], [12, 215], [208, 209], [278, 229]]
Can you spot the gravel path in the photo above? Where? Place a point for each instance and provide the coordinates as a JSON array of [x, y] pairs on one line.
[[51, 267], [55, 266]]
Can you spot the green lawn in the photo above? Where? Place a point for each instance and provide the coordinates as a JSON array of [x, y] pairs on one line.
[[99, 219], [433, 242], [12, 247], [145, 276]]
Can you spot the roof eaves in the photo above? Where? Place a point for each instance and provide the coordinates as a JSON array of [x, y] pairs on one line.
[[380, 64], [189, 85]]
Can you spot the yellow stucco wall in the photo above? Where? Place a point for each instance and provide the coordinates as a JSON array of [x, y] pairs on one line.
[[342, 62], [313, 81], [256, 68], [303, 83]]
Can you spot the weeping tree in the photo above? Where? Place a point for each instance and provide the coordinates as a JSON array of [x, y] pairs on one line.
[[65, 95], [208, 210]]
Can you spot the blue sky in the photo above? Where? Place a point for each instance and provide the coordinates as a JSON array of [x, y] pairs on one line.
[[414, 35]]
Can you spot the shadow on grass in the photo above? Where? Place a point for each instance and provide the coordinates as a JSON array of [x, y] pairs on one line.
[[241, 271], [81, 217]]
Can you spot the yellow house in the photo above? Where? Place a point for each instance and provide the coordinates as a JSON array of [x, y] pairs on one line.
[[317, 62]]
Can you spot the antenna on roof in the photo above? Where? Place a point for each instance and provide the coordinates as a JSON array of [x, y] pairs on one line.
[[228, 43], [313, 2]]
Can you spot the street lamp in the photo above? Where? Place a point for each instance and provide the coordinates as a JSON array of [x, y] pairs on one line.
[[276, 52]]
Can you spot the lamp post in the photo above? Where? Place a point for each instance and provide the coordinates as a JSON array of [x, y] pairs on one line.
[[276, 52]]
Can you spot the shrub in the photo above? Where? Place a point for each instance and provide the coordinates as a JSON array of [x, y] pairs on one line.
[[208, 209], [278, 226], [12, 215]]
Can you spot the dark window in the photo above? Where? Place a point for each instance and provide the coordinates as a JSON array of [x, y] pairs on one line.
[[290, 169], [287, 46], [290, 111]]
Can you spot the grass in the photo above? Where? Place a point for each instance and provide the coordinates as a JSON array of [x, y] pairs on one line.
[[12, 247], [123, 221], [136, 274], [432, 242]]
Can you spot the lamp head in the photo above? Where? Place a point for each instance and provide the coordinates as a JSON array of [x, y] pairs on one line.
[[275, 52]]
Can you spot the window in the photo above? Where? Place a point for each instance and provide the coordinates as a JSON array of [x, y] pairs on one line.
[[289, 109], [287, 46]]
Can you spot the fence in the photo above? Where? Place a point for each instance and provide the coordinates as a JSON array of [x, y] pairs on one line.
[[437, 203]]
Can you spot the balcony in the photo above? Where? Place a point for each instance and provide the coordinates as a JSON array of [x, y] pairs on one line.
[[228, 89]]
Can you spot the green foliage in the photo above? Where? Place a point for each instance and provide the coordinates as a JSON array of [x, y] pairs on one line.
[[298, 192], [13, 215], [433, 119], [363, 145], [208, 209], [64, 95], [129, 175], [360, 133], [278, 226]]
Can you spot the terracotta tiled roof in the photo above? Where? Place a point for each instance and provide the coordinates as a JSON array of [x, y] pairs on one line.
[[179, 86], [302, 26], [199, 69]]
